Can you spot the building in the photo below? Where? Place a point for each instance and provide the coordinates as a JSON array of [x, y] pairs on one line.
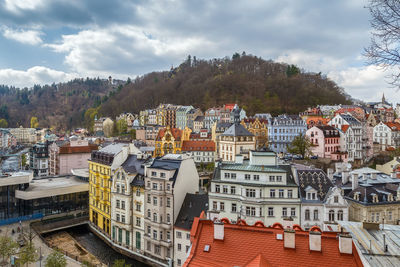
[[377, 243], [391, 168], [236, 140], [182, 116], [372, 195], [127, 204], [227, 244], [202, 151], [355, 111], [282, 130], [191, 116], [352, 130], [325, 140], [383, 110], [170, 115], [198, 124], [39, 159], [102, 166], [127, 117], [103, 126], [256, 189], [192, 207], [24, 135], [148, 134], [387, 134], [259, 128], [7, 140], [167, 181], [322, 203], [168, 141], [72, 155]]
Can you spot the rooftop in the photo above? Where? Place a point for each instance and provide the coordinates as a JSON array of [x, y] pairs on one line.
[[113, 148], [192, 207], [237, 130]]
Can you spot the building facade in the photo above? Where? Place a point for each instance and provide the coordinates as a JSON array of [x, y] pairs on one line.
[[387, 135], [168, 141], [39, 159], [325, 140]]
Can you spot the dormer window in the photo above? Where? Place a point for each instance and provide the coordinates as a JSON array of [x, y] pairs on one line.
[[390, 197], [357, 196], [375, 198]]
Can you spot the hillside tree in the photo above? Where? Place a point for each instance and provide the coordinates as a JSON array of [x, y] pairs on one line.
[[3, 123], [301, 145], [34, 122]]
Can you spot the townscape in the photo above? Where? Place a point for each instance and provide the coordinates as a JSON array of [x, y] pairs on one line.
[[155, 193]]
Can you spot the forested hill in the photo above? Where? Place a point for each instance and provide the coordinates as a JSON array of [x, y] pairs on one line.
[[60, 106], [256, 84]]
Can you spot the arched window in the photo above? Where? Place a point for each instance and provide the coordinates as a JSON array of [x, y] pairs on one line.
[[315, 215], [331, 215], [307, 215], [340, 215]]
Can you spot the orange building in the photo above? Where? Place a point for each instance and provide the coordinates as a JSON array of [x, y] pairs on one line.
[[258, 127], [168, 141]]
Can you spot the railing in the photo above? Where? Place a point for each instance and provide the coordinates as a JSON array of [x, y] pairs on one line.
[[21, 219]]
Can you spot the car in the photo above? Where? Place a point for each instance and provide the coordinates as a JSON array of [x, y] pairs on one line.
[[314, 157]]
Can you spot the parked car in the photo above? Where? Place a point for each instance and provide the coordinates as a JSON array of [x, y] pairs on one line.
[[314, 157]]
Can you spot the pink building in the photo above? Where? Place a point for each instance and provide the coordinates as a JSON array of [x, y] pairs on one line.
[[73, 155], [325, 140]]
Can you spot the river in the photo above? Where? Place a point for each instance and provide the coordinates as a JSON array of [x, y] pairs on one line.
[[97, 247]]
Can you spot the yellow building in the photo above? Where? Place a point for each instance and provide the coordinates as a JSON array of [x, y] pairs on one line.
[[258, 127], [100, 172], [168, 141]]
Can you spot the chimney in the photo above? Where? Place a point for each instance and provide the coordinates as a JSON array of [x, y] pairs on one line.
[[289, 238], [315, 241], [239, 159], [218, 230], [393, 174], [345, 176], [373, 176], [345, 244], [330, 173], [354, 183]]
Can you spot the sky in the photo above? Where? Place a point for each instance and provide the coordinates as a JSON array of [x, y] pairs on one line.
[[46, 41]]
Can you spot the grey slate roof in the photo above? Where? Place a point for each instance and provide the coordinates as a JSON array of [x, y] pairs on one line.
[[237, 130], [315, 178], [167, 164], [113, 148], [133, 165], [192, 207]]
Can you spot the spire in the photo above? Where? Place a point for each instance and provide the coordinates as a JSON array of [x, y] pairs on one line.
[[383, 98]]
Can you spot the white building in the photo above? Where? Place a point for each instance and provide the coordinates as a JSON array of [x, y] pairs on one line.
[[202, 151], [322, 203], [352, 135], [167, 181], [257, 189], [387, 134]]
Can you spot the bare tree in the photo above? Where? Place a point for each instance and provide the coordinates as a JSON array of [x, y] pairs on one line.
[[384, 49]]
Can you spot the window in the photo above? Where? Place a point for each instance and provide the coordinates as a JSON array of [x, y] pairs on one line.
[[272, 193], [233, 175], [250, 193], [227, 175], [138, 206], [390, 215], [117, 187], [377, 216], [217, 188], [123, 218], [179, 262], [162, 174], [233, 209], [279, 178], [233, 190], [256, 177], [222, 206], [168, 217], [168, 202], [272, 178], [270, 211], [155, 217], [340, 215], [250, 211], [155, 186], [225, 189], [284, 212], [148, 246], [154, 234], [178, 234], [188, 236], [214, 205], [148, 229], [123, 189], [138, 222], [281, 193], [157, 249], [148, 213], [290, 193], [315, 215], [179, 247], [154, 174], [336, 199], [118, 217], [331, 215], [307, 215], [168, 187], [187, 248], [123, 205], [155, 200], [168, 235], [148, 199], [293, 212], [138, 192], [247, 176]]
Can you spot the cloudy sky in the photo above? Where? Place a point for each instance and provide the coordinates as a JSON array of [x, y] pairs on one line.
[[45, 41]]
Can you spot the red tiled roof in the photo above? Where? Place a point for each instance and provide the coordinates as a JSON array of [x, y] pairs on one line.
[[345, 128], [257, 245], [198, 145], [176, 133], [78, 149], [393, 126]]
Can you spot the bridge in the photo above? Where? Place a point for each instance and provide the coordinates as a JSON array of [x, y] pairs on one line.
[[46, 226]]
